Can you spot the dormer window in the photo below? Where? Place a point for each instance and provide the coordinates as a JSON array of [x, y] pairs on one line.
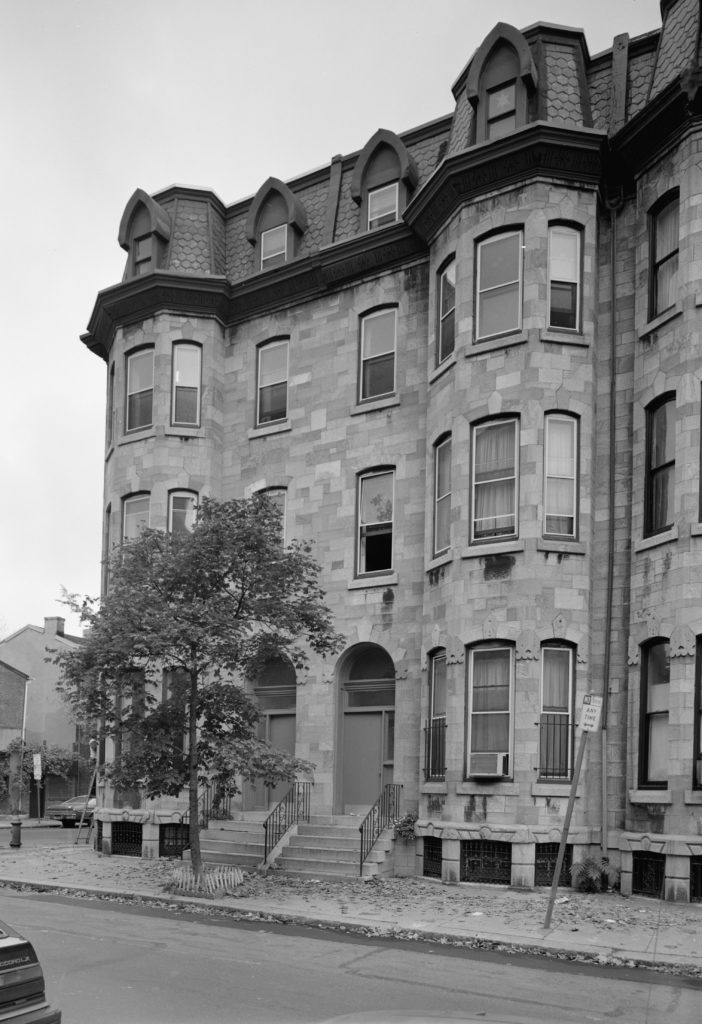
[[382, 206], [274, 246], [144, 232], [501, 110], [501, 85], [143, 254]]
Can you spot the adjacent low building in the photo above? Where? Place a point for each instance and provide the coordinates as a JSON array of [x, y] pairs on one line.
[[465, 361]]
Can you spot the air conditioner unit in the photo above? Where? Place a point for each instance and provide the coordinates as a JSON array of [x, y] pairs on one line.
[[488, 765]]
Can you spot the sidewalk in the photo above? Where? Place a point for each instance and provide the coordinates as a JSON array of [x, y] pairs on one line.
[[605, 929]]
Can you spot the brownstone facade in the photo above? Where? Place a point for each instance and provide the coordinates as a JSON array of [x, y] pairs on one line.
[[466, 360]]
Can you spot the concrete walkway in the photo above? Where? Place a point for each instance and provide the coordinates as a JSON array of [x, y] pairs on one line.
[[604, 929]]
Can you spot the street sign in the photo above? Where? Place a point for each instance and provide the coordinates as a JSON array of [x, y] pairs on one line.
[[591, 712], [37, 767]]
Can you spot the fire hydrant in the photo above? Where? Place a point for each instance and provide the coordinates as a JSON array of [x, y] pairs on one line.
[[16, 832]]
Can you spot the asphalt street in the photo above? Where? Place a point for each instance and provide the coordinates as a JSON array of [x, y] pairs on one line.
[[123, 963]]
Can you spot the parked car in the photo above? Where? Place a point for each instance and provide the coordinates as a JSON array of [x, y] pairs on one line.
[[68, 812], [22, 996]]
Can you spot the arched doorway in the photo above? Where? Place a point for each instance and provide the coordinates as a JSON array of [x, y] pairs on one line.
[[275, 691], [367, 680]]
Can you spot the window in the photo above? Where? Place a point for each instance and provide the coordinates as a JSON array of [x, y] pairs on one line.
[[135, 515], [491, 671], [435, 761], [655, 700], [143, 254], [272, 382], [556, 725], [378, 354], [659, 488], [186, 385], [447, 311], [182, 508], [277, 496], [499, 285], [697, 729], [382, 206], [375, 522], [442, 495], [560, 476], [111, 405], [140, 389], [665, 234], [501, 116], [563, 277], [274, 244], [494, 484]]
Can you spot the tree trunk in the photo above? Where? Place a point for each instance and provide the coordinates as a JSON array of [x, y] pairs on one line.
[[195, 854]]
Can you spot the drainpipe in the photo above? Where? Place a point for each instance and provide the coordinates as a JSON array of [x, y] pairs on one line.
[[613, 206]]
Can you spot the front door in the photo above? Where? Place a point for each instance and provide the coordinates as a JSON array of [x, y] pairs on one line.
[[279, 730], [368, 755]]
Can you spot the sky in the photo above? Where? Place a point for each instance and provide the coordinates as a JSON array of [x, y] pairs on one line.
[[100, 98]]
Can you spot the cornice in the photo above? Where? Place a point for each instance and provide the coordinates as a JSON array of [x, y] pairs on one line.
[[267, 292], [538, 150]]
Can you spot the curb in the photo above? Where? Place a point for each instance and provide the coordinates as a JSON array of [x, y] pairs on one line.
[[379, 932]]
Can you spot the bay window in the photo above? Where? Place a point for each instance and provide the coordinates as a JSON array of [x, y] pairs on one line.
[[494, 479], [560, 479], [185, 400], [499, 285], [490, 686], [140, 389]]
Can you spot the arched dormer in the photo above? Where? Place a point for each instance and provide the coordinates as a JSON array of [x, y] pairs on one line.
[[144, 231], [383, 178], [501, 79], [275, 223]]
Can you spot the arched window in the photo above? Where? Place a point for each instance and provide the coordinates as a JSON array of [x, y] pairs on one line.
[[140, 389], [182, 509], [376, 498], [135, 515], [442, 495], [560, 476], [383, 179], [272, 403], [659, 484], [275, 685], [378, 344], [655, 702], [435, 730], [495, 475], [664, 224], [556, 720], [564, 275], [186, 384], [446, 325], [501, 79], [490, 695]]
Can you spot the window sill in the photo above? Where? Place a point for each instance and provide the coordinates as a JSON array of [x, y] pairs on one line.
[[506, 547], [693, 796], [272, 428], [560, 789], [659, 321], [659, 538], [696, 530], [555, 337], [373, 405], [442, 368], [174, 431], [501, 787], [434, 787], [479, 348], [144, 435], [436, 563], [561, 547], [650, 796], [366, 582]]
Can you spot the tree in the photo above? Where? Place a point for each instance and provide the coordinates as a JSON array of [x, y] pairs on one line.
[[55, 760], [185, 615]]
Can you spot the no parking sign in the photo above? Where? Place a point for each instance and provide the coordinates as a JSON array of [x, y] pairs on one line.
[[591, 712]]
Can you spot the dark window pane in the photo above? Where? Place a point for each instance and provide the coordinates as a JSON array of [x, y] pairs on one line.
[[273, 403], [139, 410], [186, 405], [379, 376], [563, 303]]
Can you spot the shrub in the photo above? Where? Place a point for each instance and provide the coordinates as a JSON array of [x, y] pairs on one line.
[[594, 874]]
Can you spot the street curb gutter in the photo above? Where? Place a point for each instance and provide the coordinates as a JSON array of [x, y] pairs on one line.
[[380, 932]]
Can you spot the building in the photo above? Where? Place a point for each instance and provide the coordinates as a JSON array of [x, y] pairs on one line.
[[465, 361], [48, 717]]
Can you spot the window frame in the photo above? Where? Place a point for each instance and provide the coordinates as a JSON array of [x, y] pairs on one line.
[[664, 405], [280, 255], [144, 253], [659, 263], [129, 357], [482, 247], [647, 716], [443, 443], [271, 493], [362, 528], [386, 219], [182, 492], [177, 347], [445, 316], [576, 232], [494, 536], [574, 422], [126, 501], [494, 646], [269, 346], [365, 362], [436, 736], [568, 715], [697, 725]]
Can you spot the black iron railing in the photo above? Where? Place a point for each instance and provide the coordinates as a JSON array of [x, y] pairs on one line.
[[385, 810], [214, 802], [294, 807], [555, 747], [435, 749]]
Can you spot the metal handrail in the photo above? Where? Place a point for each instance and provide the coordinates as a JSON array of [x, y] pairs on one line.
[[294, 807], [384, 811]]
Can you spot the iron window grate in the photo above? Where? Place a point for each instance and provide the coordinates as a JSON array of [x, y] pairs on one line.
[[126, 839], [98, 836], [648, 873], [173, 839], [546, 855], [431, 865], [486, 861], [696, 879]]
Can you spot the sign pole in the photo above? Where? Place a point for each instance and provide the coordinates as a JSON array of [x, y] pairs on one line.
[[589, 721]]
